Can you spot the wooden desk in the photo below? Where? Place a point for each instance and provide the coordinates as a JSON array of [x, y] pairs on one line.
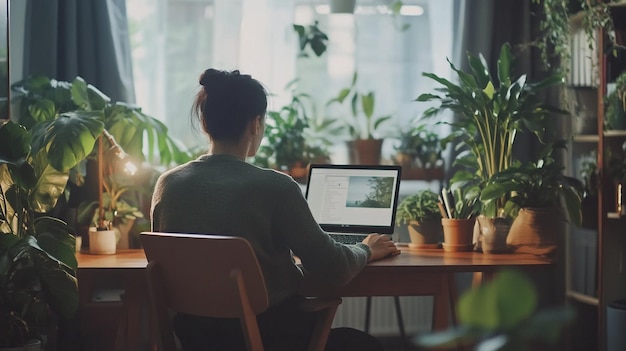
[[412, 273], [124, 270]]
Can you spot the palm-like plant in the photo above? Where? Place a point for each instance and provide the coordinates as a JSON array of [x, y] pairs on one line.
[[490, 112]]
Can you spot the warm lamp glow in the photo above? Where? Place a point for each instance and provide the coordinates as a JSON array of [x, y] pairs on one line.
[[128, 168]]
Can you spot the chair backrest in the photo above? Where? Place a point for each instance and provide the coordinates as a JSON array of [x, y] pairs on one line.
[[202, 274]]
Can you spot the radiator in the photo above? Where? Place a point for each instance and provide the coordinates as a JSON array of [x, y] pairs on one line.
[[417, 312]]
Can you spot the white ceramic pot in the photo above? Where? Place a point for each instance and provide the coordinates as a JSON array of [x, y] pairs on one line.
[[102, 242]]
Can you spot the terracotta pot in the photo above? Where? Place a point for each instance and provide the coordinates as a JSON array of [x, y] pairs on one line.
[[102, 242], [537, 230], [457, 234], [405, 160], [365, 151], [492, 234], [425, 235]]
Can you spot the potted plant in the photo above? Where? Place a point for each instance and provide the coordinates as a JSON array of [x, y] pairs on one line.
[[460, 217], [540, 189], [490, 114], [43, 100], [421, 213], [37, 259], [119, 214], [365, 143], [289, 144], [419, 152]]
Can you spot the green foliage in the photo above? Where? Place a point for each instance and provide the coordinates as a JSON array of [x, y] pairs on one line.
[[311, 36], [37, 261], [363, 124], [43, 100], [502, 315], [616, 164], [293, 135], [491, 112], [421, 206], [464, 202], [423, 145], [537, 184], [556, 28], [589, 173]]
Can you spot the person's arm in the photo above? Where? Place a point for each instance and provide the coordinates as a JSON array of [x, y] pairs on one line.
[[319, 254], [380, 246]]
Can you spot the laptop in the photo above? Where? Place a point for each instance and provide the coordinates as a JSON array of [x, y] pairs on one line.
[[351, 201]]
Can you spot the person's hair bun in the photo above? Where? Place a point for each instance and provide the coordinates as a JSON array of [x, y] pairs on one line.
[[212, 77]]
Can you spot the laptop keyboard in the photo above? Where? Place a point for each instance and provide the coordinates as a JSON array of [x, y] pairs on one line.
[[348, 239]]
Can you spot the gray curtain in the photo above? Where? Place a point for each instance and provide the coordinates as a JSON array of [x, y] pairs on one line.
[[87, 38], [483, 26]]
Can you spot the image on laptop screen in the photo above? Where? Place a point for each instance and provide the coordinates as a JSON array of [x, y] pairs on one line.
[[354, 198]]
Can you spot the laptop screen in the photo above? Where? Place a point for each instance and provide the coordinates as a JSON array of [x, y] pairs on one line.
[[354, 198]]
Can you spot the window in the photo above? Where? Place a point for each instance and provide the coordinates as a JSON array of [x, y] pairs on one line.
[[173, 41]]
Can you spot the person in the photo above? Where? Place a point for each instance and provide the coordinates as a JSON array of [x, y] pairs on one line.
[[221, 193]]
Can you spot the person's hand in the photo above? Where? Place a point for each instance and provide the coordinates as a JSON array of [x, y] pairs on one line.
[[381, 246]]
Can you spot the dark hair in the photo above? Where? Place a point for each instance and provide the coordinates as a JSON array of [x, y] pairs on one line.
[[227, 102]]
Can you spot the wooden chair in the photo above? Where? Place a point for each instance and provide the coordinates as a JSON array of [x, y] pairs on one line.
[[214, 276]]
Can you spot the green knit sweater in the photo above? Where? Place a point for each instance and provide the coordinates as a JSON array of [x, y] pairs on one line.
[[220, 194]]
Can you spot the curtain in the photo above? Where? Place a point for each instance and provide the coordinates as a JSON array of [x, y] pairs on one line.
[[484, 25], [69, 38]]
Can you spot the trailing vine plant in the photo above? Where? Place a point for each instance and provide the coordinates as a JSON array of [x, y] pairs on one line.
[[556, 28]]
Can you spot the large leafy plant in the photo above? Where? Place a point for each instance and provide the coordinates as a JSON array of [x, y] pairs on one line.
[[143, 137], [490, 111], [502, 315], [37, 262]]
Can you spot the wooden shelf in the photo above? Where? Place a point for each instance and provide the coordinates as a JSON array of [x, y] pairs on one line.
[[613, 215], [615, 133], [590, 300], [425, 174], [593, 138]]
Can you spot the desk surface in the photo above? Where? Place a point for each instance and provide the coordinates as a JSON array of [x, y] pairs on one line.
[[415, 260], [412, 273]]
